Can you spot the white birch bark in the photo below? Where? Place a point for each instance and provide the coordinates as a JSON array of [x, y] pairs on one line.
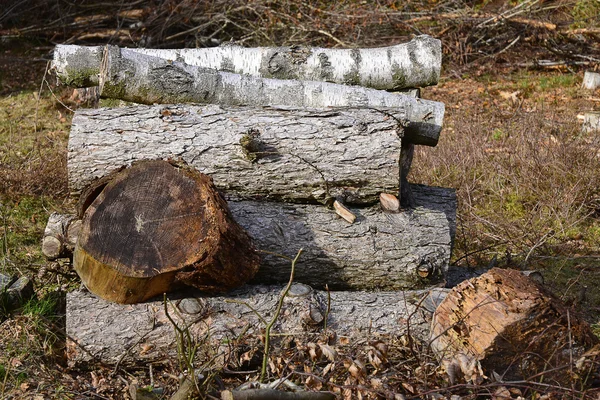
[[129, 75], [287, 154], [408, 65]]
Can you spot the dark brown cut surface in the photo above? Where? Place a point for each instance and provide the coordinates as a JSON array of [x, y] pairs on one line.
[[156, 226]]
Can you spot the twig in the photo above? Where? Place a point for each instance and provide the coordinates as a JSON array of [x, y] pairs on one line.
[[277, 311]]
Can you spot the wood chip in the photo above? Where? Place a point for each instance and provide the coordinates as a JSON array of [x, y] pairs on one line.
[[343, 212], [389, 202]]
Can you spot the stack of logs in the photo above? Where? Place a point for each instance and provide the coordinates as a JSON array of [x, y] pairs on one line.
[[305, 161], [302, 157]]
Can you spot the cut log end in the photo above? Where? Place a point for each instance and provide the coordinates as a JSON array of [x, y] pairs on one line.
[[509, 325], [155, 227]]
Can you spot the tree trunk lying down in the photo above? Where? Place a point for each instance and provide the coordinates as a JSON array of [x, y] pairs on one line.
[[413, 64], [132, 76], [379, 251], [288, 154], [140, 333], [504, 323]]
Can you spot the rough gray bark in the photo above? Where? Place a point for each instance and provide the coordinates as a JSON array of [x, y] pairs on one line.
[[288, 154], [413, 64], [379, 251], [129, 75], [140, 333]]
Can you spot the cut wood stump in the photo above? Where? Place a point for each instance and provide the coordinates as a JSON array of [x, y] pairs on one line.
[[155, 227], [591, 80], [380, 250], [503, 324], [110, 333]]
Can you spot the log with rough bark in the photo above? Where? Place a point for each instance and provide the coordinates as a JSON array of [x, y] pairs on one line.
[[140, 333], [413, 64], [505, 325], [132, 76], [155, 227], [286, 154], [380, 250]]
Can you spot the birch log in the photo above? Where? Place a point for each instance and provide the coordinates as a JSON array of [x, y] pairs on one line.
[[132, 76], [141, 333], [381, 251], [284, 154], [413, 64]]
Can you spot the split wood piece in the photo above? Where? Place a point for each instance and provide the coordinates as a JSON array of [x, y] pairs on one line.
[[132, 76], [110, 333], [60, 236], [295, 155], [379, 250], [591, 80], [512, 327], [342, 211], [155, 227], [413, 64]]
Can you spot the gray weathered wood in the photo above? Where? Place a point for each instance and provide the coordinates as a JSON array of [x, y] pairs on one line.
[[99, 331], [380, 251], [591, 122], [591, 80], [413, 64], [132, 76], [288, 154]]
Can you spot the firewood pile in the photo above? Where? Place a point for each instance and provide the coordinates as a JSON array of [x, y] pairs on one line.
[[224, 163]]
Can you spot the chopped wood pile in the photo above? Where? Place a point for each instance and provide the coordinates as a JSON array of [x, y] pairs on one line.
[[317, 165], [312, 167]]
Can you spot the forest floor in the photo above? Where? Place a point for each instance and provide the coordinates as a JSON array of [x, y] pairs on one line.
[[527, 180]]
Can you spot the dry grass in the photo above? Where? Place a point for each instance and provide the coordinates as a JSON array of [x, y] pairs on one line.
[[527, 179], [526, 176]]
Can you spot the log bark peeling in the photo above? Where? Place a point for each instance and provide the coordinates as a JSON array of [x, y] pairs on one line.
[[379, 251], [99, 331], [278, 154], [413, 64]]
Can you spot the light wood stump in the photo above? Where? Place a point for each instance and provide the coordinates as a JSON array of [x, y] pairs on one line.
[[155, 227], [512, 328]]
